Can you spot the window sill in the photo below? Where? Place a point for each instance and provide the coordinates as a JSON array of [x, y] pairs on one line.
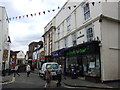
[[87, 20]]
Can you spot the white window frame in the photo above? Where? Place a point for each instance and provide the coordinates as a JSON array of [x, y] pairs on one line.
[[68, 22], [58, 32], [86, 10], [66, 42], [90, 33], [74, 37]]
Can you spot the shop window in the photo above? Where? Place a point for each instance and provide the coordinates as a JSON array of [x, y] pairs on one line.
[[91, 65]]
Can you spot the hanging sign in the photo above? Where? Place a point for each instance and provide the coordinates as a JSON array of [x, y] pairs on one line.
[[5, 55]]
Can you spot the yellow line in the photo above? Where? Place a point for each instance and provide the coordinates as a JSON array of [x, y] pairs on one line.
[[65, 86], [13, 79]]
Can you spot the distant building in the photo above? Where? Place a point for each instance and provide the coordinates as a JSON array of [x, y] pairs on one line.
[[85, 35], [4, 40], [17, 58], [34, 53]]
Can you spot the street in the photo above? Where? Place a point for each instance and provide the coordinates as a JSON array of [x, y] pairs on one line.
[[36, 82]]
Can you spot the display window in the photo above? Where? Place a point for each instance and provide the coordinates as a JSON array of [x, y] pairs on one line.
[[91, 65]]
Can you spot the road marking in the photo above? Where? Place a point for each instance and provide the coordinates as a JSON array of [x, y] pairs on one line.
[[13, 80], [65, 86]]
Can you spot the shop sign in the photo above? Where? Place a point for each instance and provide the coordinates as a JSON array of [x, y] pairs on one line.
[[34, 60], [79, 51], [5, 55], [42, 56]]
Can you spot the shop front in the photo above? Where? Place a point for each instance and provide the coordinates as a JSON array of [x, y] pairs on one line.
[[86, 60], [59, 57]]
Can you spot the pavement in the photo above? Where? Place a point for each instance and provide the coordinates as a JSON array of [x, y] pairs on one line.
[[79, 82]]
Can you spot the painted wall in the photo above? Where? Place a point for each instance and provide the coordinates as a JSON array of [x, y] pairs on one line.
[[4, 36], [109, 50]]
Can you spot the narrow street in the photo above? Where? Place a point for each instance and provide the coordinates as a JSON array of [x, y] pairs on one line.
[[36, 82]]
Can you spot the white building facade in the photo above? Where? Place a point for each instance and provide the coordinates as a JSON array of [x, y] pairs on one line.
[[86, 37], [4, 40], [20, 60]]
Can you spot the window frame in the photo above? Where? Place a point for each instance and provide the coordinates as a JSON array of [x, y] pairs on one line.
[[86, 10]]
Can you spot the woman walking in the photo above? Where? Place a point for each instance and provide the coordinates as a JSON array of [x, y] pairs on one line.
[[48, 77]]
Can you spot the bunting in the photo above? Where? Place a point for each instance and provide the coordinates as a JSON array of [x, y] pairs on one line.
[[44, 12]]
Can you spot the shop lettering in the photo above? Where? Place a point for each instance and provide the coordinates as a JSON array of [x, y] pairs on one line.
[[77, 51]]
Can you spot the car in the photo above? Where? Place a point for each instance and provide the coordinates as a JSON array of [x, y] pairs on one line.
[[54, 68]]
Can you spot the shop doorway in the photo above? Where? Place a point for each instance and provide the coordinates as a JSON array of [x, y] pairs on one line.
[[80, 66]]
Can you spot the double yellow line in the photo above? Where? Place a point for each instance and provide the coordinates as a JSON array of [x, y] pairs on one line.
[[13, 80], [65, 86]]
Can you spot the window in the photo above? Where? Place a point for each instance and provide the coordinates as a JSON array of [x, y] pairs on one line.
[[68, 23], [58, 45], [74, 39], [58, 32], [91, 65], [65, 42], [86, 11], [89, 32]]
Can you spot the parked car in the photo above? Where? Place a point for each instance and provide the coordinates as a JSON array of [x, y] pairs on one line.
[[54, 67]]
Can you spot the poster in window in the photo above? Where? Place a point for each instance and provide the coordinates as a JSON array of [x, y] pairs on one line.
[[92, 65]]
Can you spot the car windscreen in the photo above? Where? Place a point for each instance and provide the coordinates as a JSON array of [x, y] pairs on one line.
[[53, 66]]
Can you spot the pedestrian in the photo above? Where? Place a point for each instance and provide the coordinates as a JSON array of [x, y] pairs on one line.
[[28, 69], [16, 70], [48, 77], [59, 73], [73, 73]]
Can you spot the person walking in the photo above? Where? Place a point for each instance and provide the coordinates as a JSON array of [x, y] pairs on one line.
[[48, 77], [59, 75], [28, 69], [16, 71]]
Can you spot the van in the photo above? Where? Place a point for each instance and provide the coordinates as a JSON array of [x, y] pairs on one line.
[[54, 68]]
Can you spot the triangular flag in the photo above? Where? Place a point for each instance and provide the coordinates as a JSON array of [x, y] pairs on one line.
[[6, 19], [69, 7], [48, 10], [39, 13], [74, 6], [53, 10], [31, 14], [44, 12], [10, 19], [19, 17], [93, 3], [26, 15], [87, 4]]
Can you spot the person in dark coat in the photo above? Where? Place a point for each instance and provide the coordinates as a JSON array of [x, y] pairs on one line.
[[73, 73], [59, 73], [16, 70]]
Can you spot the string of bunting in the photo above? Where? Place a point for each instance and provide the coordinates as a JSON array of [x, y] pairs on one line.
[[44, 12]]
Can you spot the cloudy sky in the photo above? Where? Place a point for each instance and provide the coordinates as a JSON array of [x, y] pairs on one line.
[[25, 30]]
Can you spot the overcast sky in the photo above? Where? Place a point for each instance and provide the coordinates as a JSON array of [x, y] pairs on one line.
[[25, 30]]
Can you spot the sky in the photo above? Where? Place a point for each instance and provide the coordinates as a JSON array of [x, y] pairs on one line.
[[25, 30]]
